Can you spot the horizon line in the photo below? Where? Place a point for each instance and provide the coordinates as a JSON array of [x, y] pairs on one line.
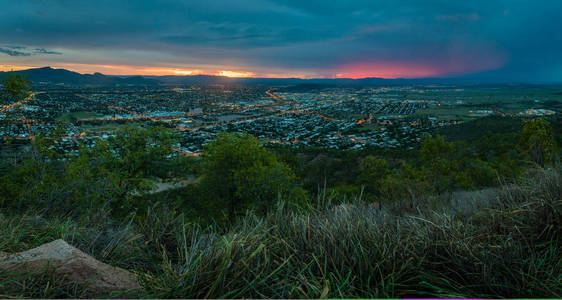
[[211, 74], [255, 76]]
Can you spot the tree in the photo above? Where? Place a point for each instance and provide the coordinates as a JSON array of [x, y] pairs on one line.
[[537, 139], [122, 165], [110, 173], [17, 86], [436, 159], [242, 174], [374, 170], [407, 185]]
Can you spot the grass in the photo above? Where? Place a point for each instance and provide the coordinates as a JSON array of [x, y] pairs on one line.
[[504, 243], [106, 127], [450, 112], [38, 284], [79, 115]]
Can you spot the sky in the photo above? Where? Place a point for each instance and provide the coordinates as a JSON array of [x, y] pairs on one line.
[[501, 39]]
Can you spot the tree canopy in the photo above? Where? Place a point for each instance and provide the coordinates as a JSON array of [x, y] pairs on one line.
[[538, 140], [239, 170], [17, 86]]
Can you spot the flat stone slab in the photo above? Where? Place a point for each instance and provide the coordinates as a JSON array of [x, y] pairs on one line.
[[98, 278]]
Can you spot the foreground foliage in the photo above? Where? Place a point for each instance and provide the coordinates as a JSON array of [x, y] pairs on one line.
[[505, 243], [238, 169], [16, 86]]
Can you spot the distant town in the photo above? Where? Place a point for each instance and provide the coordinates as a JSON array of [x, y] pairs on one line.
[[325, 117]]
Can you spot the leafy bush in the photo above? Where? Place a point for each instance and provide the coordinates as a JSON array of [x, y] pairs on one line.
[[239, 171]]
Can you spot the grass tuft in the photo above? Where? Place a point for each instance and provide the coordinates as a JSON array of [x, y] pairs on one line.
[[494, 243]]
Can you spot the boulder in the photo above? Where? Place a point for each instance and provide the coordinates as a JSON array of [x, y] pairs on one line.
[[98, 278]]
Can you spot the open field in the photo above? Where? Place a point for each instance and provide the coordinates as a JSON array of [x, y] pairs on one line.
[[451, 112], [79, 115], [102, 128]]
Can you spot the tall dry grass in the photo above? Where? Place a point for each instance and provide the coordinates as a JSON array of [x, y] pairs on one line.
[[493, 243]]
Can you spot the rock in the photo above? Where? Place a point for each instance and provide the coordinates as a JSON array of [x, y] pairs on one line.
[[98, 278]]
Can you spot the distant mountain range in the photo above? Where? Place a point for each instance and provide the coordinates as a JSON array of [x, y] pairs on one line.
[[50, 76]]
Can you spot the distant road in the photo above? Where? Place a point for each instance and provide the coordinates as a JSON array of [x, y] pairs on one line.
[[28, 125], [28, 98], [277, 98]]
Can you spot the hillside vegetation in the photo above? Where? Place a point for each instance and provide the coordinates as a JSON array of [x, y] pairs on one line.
[[474, 217], [504, 243]]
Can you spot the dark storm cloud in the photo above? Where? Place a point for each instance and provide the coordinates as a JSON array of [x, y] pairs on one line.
[[520, 37], [24, 51], [15, 47], [12, 52], [45, 51]]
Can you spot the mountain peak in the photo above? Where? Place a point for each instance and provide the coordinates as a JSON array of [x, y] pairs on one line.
[[55, 76]]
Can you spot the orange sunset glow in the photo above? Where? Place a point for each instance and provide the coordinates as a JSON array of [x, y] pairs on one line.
[[354, 70], [236, 74], [130, 69], [5, 68], [358, 70], [149, 70]]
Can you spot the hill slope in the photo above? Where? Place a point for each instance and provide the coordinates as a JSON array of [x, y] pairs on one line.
[[62, 76]]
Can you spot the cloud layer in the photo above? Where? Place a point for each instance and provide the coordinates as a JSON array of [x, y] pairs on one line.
[[24, 51], [511, 39]]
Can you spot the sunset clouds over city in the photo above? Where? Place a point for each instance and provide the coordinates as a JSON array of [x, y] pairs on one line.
[[307, 39]]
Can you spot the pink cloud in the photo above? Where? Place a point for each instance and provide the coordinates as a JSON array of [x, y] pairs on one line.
[[385, 69], [417, 69]]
